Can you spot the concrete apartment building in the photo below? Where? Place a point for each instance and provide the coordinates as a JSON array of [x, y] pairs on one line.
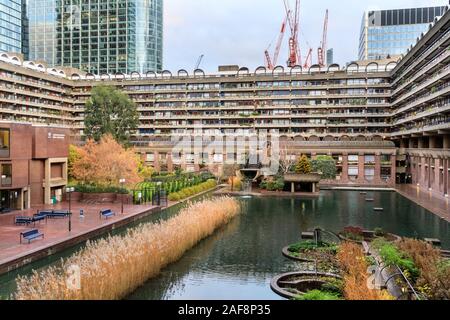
[[33, 162], [384, 121]]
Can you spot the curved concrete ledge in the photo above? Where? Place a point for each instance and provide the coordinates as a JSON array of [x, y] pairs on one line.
[[310, 277]]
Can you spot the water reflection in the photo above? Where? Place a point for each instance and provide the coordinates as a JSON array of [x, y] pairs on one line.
[[238, 261]]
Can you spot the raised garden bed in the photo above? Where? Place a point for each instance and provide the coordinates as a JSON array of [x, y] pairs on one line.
[[359, 235], [323, 254]]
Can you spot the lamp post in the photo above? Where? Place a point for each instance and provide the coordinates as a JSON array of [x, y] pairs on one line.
[[122, 183], [69, 191]]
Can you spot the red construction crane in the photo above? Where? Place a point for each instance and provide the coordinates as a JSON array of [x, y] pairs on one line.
[[272, 63], [308, 59], [321, 52], [295, 57]]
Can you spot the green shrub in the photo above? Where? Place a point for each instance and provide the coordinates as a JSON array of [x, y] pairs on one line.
[[174, 196], [319, 295], [392, 256]]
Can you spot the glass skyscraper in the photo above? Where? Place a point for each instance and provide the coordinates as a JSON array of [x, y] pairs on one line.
[[11, 26], [97, 36], [391, 32]]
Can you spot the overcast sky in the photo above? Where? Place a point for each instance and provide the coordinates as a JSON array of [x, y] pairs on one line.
[[238, 31]]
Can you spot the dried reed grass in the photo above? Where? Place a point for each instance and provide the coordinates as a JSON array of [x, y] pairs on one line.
[[114, 267], [355, 268]]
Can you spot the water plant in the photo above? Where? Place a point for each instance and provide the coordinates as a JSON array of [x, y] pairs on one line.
[[113, 267]]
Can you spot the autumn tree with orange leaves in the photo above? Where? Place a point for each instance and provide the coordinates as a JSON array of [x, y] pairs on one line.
[[105, 163]]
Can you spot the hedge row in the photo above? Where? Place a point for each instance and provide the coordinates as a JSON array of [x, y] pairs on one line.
[[192, 191]]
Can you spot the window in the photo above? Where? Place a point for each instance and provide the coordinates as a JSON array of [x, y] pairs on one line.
[[353, 173], [353, 158], [369, 174], [4, 143], [369, 159], [150, 157], [6, 175]]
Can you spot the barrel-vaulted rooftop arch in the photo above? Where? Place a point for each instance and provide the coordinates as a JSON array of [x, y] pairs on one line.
[[297, 69], [135, 75], [119, 76], [315, 68], [183, 73], [151, 74], [333, 67], [199, 73], [372, 67], [390, 66], [166, 74], [243, 71], [278, 70], [261, 70], [90, 76], [352, 67], [105, 76]]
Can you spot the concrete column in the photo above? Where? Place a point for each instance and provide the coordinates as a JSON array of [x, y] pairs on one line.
[[432, 142], [314, 187], [21, 195], [393, 169], [377, 168], [169, 162], [47, 175], [344, 177], [446, 176], [410, 143], [183, 162], [447, 141], [292, 187], [403, 144], [421, 143], [429, 172], [361, 167], [156, 161], [437, 175]]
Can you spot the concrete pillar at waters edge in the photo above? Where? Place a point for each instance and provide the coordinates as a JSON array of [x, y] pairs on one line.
[[393, 169], [410, 143], [377, 168], [361, 169], [437, 175], [292, 187]]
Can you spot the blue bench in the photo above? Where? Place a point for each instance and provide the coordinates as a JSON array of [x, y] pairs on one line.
[[57, 214], [23, 220], [31, 235], [107, 213]]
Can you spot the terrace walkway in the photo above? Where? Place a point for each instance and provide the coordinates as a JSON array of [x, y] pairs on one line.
[[438, 205], [57, 235]]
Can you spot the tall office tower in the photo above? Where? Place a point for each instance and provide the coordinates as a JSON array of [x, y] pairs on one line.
[[11, 26], [330, 56], [391, 32], [98, 36]]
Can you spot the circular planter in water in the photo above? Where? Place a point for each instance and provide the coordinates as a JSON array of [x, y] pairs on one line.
[[293, 284], [294, 256]]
